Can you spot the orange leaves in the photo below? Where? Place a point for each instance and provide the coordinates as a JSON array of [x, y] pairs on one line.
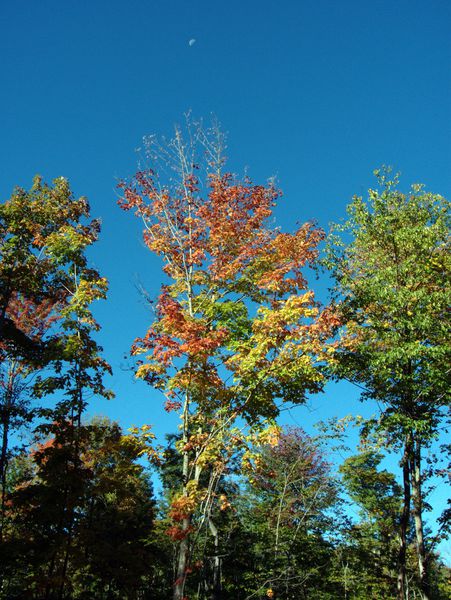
[[32, 318], [224, 503], [177, 334], [184, 505], [216, 250], [280, 267], [234, 216], [177, 533], [196, 441]]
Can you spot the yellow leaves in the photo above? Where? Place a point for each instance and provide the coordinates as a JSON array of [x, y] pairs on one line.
[[182, 507], [224, 503], [185, 504], [283, 343], [142, 438], [143, 371], [85, 292], [289, 312], [88, 290], [270, 435]]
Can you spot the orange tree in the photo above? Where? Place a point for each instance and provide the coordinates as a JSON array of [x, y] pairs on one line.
[[236, 327], [16, 376]]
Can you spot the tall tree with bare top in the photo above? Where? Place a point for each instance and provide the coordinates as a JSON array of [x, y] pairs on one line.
[[236, 327]]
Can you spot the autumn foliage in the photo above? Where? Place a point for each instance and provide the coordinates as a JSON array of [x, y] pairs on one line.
[[247, 507], [237, 329]]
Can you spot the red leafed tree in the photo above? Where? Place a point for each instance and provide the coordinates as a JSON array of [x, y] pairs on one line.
[[31, 320], [237, 329]]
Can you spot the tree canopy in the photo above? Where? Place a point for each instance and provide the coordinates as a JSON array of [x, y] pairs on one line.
[[243, 507]]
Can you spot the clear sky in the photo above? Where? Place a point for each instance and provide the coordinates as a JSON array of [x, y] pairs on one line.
[[316, 92]]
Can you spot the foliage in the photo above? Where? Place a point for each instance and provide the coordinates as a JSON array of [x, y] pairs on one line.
[[288, 511], [41, 234], [236, 326], [377, 495], [248, 510], [46, 287], [393, 288], [392, 285], [111, 496]]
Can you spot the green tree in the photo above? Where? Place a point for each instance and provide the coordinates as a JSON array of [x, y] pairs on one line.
[[289, 512], [42, 259], [374, 537], [392, 285]]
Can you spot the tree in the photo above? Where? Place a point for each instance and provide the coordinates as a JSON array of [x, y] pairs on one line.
[[392, 282], [16, 377], [111, 495], [79, 372], [289, 510], [236, 326], [40, 234], [44, 278], [378, 496]]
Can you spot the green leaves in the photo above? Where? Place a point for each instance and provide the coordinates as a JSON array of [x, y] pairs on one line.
[[393, 286]]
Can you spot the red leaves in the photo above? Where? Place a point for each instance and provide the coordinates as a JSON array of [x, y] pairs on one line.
[[234, 216], [177, 533], [179, 334], [287, 254], [170, 405], [32, 318]]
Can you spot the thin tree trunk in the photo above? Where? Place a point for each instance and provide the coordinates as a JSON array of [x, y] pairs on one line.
[[183, 551], [75, 445], [417, 501], [3, 465], [405, 517], [182, 562], [216, 587]]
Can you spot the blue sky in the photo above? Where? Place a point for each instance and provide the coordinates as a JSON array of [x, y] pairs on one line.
[[318, 93]]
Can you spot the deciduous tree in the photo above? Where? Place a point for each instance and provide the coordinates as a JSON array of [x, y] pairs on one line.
[[236, 326], [392, 283]]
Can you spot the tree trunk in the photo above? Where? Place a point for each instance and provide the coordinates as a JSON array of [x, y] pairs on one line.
[[216, 583], [182, 562], [5, 421], [417, 500], [405, 518], [3, 465], [183, 550]]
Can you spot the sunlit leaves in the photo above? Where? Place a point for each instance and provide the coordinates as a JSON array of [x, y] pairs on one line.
[[395, 280]]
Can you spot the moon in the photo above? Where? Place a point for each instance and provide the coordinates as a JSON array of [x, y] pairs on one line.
[[191, 42]]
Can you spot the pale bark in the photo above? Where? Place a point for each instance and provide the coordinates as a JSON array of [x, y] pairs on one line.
[[216, 584], [405, 518], [183, 550], [417, 502]]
